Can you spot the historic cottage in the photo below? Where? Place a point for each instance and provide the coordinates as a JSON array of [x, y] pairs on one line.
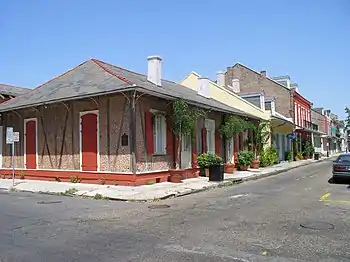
[[102, 123]]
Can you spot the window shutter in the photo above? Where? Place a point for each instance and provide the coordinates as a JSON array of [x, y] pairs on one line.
[[194, 151], [217, 143], [250, 138], [241, 141], [169, 138], [236, 147], [204, 140], [149, 133]]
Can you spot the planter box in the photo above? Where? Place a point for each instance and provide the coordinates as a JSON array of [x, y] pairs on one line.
[[255, 164], [243, 168], [229, 168], [216, 173], [176, 176]]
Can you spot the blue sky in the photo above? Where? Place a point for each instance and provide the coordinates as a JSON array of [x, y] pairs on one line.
[[309, 40]]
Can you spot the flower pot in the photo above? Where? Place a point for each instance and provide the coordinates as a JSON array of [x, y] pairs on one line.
[[255, 164], [243, 168], [176, 176], [216, 173], [202, 172], [229, 168]]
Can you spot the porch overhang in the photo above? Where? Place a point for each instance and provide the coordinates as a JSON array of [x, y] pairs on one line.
[[277, 121]]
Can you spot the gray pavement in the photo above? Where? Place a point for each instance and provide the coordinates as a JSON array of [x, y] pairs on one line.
[[295, 216]]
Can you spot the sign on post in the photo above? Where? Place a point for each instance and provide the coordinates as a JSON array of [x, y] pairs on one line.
[[15, 136], [9, 135]]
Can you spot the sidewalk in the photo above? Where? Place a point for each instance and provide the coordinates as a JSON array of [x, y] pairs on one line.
[[147, 192]]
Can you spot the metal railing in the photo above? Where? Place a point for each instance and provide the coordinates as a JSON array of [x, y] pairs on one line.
[[310, 125]]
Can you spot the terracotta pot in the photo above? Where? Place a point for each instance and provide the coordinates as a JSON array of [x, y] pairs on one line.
[[176, 176], [255, 164], [229, 168], [243, 168]]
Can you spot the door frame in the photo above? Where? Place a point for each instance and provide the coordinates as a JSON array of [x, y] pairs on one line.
[[96, 112], [190, 151], [25, 141], [210, 125]]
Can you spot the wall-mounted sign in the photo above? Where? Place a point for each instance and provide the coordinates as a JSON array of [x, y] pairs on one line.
[[291, 136]]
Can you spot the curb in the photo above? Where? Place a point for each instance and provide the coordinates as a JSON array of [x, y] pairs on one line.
[[234, 181]]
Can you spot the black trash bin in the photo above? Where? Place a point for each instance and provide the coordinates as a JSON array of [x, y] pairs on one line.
[[216, 173], [317, 156]]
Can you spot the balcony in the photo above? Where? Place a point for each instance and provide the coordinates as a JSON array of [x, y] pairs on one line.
[[310, 125]]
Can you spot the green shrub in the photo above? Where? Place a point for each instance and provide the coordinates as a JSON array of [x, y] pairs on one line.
[[269, 157], [214, 160], [202, 160], [245, 158], [288, 156]]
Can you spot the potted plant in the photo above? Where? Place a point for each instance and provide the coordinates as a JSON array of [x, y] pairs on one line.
[[216, 171], [203, 165], [231, 126], [183, 120], [245, 158], [261, 134], [299, 156]]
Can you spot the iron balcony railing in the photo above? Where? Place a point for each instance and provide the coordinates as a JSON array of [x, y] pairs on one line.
[[310, 125]]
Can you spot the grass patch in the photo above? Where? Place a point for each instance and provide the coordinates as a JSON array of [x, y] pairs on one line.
[[70, 192]]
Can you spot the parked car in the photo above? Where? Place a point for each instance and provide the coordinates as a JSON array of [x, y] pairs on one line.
[[341, 167]]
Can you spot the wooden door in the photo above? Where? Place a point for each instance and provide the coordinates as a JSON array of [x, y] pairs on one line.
[[89, 142], [30, 144]]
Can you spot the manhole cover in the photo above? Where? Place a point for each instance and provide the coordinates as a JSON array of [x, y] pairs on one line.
[[158, 206], [49, 202], [315, 225]]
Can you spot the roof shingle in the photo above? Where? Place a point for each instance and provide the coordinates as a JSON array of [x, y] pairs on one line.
[[94, 77]]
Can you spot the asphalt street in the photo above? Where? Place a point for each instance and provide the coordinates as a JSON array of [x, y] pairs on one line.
[[299, 215]]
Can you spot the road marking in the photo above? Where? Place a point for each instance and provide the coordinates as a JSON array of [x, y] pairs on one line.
[[324, 197], [337, 201], [237, 196]]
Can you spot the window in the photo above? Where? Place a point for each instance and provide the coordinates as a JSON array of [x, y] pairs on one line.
[[159, 132]]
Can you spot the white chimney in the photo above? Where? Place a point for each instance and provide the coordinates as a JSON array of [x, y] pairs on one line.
[[220, 78], [203, 87], [154, 73], [235, 86]]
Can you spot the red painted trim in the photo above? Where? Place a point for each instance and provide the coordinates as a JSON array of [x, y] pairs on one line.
[[301, 99], [101, 64], [217, 143], [149, 133], [236, 147], [95, 177], [204, 140], [194, 152]]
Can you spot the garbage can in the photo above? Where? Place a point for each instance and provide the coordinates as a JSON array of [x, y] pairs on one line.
[[317, 156]]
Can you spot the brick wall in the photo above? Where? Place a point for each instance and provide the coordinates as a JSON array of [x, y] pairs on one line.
[[253, 82]]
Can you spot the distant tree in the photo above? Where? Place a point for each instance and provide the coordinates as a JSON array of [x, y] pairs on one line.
[[347, 119]]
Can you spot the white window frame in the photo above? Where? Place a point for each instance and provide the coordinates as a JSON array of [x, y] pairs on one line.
[[159, 118]]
